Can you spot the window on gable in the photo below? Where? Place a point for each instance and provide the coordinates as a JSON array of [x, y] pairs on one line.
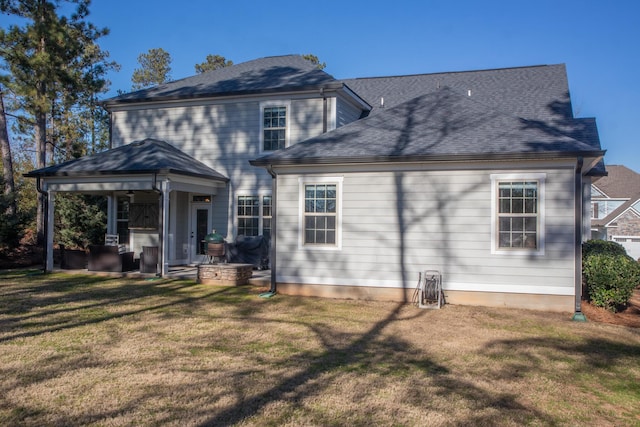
[[602, 208], [274, 128], [518, 213]]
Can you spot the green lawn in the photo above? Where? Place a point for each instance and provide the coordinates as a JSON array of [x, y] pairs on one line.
[[88, 350]]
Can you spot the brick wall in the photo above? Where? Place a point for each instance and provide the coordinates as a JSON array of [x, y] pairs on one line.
[[628, 225]]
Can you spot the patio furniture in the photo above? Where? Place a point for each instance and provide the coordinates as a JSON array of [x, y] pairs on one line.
[[149, 259], [252, 250], [72, 259], [109, 258]]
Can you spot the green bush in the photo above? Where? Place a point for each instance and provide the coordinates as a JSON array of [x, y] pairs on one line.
[[11, 226], [602, 247], [610, 279], [80, 220]]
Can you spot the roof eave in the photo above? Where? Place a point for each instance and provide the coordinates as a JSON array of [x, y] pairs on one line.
[[266, 162], [113, 102], [34, 174]]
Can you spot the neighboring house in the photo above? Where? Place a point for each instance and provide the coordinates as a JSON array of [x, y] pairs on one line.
[[360, 184], [615, 208]]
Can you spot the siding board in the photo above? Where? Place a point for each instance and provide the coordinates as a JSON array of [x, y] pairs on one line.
[[393, 227]]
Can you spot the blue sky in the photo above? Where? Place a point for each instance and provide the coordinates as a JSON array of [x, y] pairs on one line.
[[599, 42]]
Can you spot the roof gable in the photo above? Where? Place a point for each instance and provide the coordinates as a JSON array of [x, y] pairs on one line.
[[621, 182], [631, 206], [147, 156]]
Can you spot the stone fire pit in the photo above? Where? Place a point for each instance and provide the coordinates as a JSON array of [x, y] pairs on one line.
[[224, 274]]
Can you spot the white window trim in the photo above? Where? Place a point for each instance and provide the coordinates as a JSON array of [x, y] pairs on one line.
[[236, 217], [540, 178], [275, 103], [302, 181]]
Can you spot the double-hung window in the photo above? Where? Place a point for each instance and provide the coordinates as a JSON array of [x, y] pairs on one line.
[[254, 216], [275, 125], [518, 213], [320, 212], [248, 215]]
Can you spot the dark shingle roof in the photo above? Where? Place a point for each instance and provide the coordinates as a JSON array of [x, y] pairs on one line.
[[535, 92], [439, 125], [141, 157], [264, 75]]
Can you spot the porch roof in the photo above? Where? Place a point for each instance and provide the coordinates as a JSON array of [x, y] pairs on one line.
[[141, 157]]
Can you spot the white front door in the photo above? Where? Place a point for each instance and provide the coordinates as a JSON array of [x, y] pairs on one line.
[[200, 227]]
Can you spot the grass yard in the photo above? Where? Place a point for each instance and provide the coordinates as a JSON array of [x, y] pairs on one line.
[[89, 350]]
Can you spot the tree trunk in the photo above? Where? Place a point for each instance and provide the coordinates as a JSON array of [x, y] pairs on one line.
[[7, 161], [41, 134], [41, 155]]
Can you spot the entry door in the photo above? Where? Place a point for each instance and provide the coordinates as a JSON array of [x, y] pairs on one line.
[[200, 227]]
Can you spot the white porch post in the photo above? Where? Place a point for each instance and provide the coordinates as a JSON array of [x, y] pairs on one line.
[[164, 241], [48, 267], [111, 214]]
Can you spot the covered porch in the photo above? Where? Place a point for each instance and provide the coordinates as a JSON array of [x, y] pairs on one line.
[[157, 197]]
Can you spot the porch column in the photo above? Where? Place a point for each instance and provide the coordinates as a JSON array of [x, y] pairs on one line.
[[164, 237], [48, 267], [111, 214]]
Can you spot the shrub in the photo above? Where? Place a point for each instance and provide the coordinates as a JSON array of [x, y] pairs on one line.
[[11, 226], [610, 279], [602, 247], [80, 220]]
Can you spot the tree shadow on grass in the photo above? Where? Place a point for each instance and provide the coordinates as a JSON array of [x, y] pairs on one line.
[[54, 302], [371, 352]]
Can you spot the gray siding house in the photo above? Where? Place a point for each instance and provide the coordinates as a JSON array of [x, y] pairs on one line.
[[359, 184]]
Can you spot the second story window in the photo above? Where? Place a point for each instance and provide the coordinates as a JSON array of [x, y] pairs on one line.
[[274, 127]]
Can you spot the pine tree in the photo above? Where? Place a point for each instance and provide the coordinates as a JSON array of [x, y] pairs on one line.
[[53, 64], [213, 62], [155, 69]]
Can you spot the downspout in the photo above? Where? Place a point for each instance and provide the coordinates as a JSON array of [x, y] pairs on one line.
[[110, 130], [324, 111], [45, 219], [578, 315], [154, 187], [274, 222]]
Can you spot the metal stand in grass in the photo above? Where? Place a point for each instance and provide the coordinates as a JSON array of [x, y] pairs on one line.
[[428, 293]]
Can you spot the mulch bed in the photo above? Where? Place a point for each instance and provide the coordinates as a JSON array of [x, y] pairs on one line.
[[629, 317]]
